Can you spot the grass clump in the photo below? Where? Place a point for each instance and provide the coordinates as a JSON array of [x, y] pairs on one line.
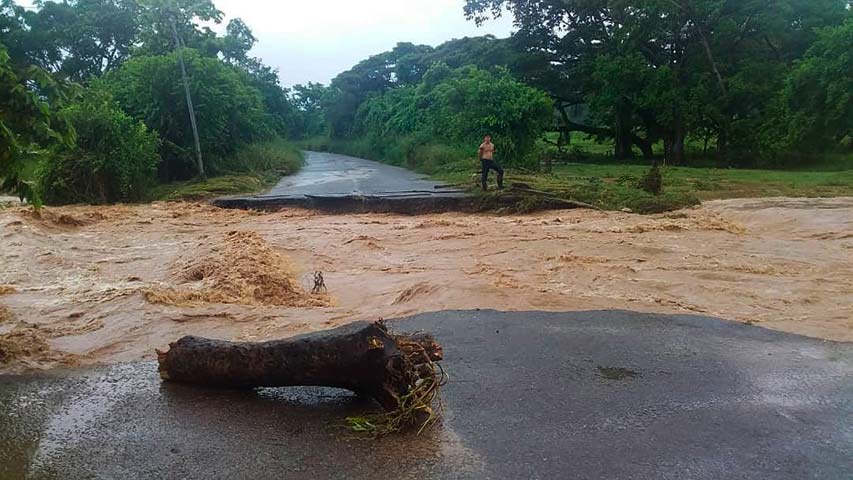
[[212, 187], [604, 182], [252, 169], [276, 156]]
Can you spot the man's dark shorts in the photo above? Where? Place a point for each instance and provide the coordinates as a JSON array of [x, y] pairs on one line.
[[487, 165]]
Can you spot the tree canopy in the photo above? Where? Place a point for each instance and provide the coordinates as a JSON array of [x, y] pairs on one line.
[[457, 106], [755, 81], [665, 69]]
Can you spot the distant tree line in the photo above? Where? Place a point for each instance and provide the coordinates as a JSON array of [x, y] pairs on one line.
[[754, 81], [92, 106]]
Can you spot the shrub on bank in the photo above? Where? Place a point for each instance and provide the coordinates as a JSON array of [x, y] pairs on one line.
[[114, 157], [276, 156]]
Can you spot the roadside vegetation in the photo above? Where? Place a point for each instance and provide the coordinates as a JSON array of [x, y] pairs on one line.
[[256, 168], [649, 106], [748, 100], [592, 175], [94, 110]]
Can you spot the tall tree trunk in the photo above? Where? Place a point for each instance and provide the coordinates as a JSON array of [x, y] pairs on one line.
[[674, 151], [679, 156], [645, 146], [722, 146], [622, 133]]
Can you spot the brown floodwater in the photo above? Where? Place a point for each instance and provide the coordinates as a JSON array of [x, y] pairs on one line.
[[84, 285]]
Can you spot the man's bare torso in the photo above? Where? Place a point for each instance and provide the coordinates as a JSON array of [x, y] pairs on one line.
[[487, 151]]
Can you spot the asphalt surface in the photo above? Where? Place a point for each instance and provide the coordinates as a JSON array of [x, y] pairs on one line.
[[333, 182], [330, 174], [610, 395]]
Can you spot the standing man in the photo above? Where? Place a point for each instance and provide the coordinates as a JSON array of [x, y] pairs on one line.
[[487, 160]]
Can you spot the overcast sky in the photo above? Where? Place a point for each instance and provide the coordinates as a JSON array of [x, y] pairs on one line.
[[314, 40], [317, 39]]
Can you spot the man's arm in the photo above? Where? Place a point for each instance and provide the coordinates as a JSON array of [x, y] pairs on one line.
[[480, 152]]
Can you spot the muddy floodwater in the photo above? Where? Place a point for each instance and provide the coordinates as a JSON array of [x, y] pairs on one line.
[[84, 285]]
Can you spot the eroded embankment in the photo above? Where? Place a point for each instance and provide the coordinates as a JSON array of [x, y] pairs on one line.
[[89, 284]]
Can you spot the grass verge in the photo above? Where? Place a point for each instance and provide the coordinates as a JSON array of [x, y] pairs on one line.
[[611, 186], [253, 169]]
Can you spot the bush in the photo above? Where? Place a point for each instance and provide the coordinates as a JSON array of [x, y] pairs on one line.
[[230, 111], [114, 157], [444, 118], [652, 181], [818, 94], [276, 155]]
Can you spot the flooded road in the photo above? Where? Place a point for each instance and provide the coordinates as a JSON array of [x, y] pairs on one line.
[[85, 285], [592, 395], [330, 174]]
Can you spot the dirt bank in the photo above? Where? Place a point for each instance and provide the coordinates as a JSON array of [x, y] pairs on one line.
[[78, 280]]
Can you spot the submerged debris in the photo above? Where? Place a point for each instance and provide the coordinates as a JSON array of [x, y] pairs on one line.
[[695, 221], [240, 268], [319, 283]]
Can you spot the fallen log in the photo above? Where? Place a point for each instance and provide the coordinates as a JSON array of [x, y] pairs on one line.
[[396, 370]]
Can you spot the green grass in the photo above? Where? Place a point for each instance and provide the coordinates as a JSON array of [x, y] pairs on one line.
[[614, 186], [587, 149], [253, 169], [213, 187], [270, 157]]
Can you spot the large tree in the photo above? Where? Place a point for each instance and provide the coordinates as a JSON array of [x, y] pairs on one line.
[[230, 110], [307, 100], [29, 98], [453, 106], [82, 39], [818, 94], [663, 69], [159, 20]]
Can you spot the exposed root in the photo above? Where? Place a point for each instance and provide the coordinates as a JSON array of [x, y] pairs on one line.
[[7, 289], [420, 407], [241, 268]]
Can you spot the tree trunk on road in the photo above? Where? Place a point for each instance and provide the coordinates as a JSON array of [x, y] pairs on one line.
[[362, 357]]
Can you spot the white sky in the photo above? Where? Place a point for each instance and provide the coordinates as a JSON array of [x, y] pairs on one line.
[[317, 39], [314, 40]]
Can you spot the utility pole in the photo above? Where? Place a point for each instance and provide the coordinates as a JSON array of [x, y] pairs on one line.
[[179, 46]]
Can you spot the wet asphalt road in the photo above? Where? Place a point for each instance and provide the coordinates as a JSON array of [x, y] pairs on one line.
[[329, 174], [610, 395]]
